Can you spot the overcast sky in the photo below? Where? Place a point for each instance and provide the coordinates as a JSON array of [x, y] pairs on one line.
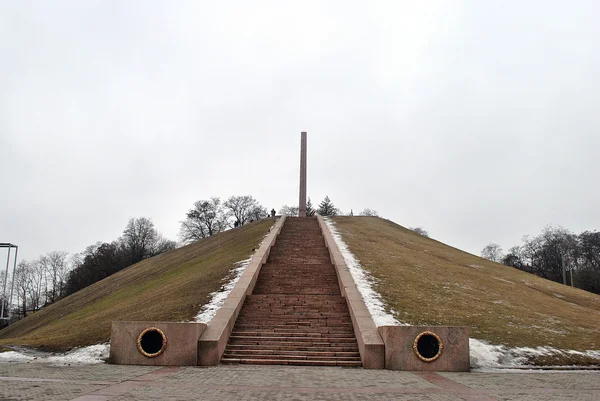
[[476, 120]]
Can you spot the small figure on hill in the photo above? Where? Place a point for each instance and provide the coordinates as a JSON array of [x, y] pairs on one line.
[[273, 212], [351, 213]]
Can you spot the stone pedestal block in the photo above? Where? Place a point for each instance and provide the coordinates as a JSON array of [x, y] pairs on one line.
[[426, 348], [155, 343]]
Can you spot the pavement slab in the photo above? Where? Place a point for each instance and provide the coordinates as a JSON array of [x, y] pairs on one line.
[[103, 382]]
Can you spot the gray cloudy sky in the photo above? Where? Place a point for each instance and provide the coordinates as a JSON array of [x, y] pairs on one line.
[[477, 120]]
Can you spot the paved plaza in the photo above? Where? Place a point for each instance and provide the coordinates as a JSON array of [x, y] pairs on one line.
[[41, 381]]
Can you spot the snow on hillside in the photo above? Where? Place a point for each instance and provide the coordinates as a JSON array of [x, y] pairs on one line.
[[364, 282], [486, 355], [208, 311], [483, 354], [85, 355]]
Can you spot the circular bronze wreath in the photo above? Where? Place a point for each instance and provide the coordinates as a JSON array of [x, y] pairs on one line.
[[416, 343], [162, 348]]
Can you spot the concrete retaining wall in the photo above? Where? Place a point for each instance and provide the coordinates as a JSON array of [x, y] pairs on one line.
[[400, 355], [180, 350], [213, 341], [370, 344]]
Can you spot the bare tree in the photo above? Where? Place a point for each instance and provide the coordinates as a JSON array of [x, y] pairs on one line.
[[241, 208], [492, 252], [287, 210], [258, 212], [369, 212], [23, 285], [551, 253], [139, 237], [162, 245], [56, 266], [420, 231], [205, 219], [39, 285]]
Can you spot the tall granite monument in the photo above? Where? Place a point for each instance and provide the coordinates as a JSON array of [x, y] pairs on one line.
[[302, 202]]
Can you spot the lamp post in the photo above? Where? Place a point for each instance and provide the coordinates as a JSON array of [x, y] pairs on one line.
[[12, 285]]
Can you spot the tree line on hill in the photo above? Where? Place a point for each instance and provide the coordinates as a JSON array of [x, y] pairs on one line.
[[212, 216], [57, 274], [325, 208], [556, 254]]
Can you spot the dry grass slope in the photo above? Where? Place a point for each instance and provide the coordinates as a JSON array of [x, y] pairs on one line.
[[426, 282], [169, 287]]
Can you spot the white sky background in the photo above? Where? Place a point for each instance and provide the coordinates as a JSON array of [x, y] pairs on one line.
[[478, 121]]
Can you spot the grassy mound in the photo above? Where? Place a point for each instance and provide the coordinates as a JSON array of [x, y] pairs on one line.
[[169, 287], [426, 282]]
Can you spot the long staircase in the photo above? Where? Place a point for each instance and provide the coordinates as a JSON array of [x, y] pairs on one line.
[[296, 314]]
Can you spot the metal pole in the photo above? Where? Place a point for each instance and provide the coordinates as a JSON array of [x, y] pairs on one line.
[[5, 281], [562, 262], [571, 272], [12, 282]]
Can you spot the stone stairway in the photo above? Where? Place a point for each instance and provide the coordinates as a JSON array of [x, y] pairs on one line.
[[296, 314]]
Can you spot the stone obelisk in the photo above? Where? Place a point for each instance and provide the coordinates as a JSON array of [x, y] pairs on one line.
[[302, 203]]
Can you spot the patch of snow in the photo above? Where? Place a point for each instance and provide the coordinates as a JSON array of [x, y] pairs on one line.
[[208, 311], [589, 353], [92, 354], [503, 279], [485, 355], [14, 356], [85, 355], [363, 281]]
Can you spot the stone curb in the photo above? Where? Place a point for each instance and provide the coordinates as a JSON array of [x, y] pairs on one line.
[[213, 341], [370, 344]]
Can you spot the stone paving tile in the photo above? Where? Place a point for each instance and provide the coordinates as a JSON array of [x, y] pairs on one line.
[[47, 391], [97, 372], [291, 376], [257, 383], [526, 381], [176, 394], [540, 395]]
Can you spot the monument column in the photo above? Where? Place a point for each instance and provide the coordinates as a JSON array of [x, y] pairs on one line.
[[302, 203]]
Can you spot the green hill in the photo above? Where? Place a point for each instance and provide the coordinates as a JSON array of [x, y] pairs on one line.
[[169, 287], [423, 281]]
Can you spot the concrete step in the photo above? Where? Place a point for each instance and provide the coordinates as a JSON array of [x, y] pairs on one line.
[[291, 362], [340, 340], [295, 324], [263, 333], [302, 357], [260, 289], [274, 314], [347, 329], [317, 354], [280, 342], [291, 348], [286, 309], [296, 315]]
